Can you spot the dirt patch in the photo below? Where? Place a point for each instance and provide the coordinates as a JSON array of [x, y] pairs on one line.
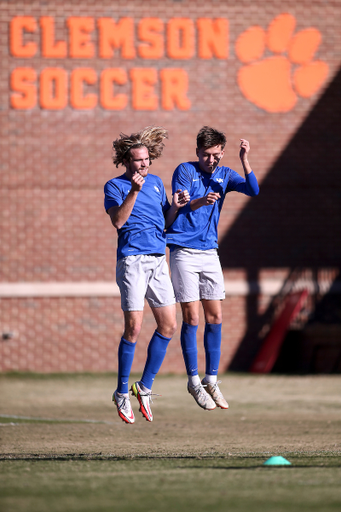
[[55, 416]]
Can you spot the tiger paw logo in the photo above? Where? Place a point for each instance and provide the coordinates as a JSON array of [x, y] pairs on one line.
[[274, 82]]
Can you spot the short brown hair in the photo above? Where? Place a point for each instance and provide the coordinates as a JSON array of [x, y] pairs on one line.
[[150, 137], [209, 137]]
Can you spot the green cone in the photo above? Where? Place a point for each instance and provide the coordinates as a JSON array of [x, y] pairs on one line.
[[277, 461]]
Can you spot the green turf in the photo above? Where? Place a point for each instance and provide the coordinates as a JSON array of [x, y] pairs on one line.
[[238, 483], [63, 447]]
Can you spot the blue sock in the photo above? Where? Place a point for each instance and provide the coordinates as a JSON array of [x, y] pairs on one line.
[[157, 349], [212, 344], [189, 347], [126, 351]]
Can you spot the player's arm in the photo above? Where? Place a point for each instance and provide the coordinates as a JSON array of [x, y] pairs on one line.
[[180, 199], [243, 155], [182, 179], [210, 199], [249, 185], [120, 214]]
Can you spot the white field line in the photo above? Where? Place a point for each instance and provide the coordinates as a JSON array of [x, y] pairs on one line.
[[54, 420]]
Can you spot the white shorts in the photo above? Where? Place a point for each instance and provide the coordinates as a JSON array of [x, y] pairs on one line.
[[144, 276], [196, 275]]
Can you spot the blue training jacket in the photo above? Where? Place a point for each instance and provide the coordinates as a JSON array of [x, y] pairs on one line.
[[143, 233], [199, 229]]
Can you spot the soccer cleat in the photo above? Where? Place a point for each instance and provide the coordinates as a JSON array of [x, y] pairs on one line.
[[216, 394], [124, 409], [144, 399], [202, 398]]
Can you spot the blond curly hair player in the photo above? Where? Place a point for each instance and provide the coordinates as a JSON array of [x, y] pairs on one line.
[[138, 207], [151, 137]]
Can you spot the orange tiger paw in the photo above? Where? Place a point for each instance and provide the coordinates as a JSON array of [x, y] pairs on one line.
[[269, 82]]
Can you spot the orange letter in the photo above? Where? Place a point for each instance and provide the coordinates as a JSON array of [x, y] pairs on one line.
[[213, 38], [50, 48], [108, 78], [53, 88], [23, 81], [81, 46], [78, 100], [115, 35], [180, 38], [18, 24], [174, 89], [144, 97], [149, 31]]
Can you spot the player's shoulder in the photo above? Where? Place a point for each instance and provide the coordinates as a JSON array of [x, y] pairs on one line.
[[187, 167], [116, 180], [224, 170], [154, 179], [116, 185]]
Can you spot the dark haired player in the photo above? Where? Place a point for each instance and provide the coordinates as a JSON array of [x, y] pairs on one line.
[[195, 267]]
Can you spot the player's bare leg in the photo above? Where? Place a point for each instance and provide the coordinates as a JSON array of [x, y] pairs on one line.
[[212, 311], [132, 325], [165, 318]]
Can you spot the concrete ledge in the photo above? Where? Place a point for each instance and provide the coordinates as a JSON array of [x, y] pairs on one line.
[[110, 289], [56, 289]]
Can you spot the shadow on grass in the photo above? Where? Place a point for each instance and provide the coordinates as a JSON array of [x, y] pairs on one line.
[[250, 462]]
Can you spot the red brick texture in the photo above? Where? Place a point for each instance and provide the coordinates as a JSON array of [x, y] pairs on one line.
[[55, 161], [61, 335]]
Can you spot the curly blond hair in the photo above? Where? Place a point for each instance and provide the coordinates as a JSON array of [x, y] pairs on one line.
[[150, 137]]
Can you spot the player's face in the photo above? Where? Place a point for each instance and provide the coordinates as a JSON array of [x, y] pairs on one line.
[[209, 158], [138, 162]]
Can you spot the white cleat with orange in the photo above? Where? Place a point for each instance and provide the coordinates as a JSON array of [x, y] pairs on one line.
[[214, 391], [123, 405], [144, 399]]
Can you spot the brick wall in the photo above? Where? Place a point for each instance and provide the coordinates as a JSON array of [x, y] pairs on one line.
[[63, 334], [56, 156]]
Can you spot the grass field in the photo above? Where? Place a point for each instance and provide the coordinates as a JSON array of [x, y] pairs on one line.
[[63, 447]]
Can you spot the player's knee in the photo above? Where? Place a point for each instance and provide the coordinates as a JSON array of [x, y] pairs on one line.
[[131, 332], [167, 329], [173, 328], [214, 318], [191, 317]]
